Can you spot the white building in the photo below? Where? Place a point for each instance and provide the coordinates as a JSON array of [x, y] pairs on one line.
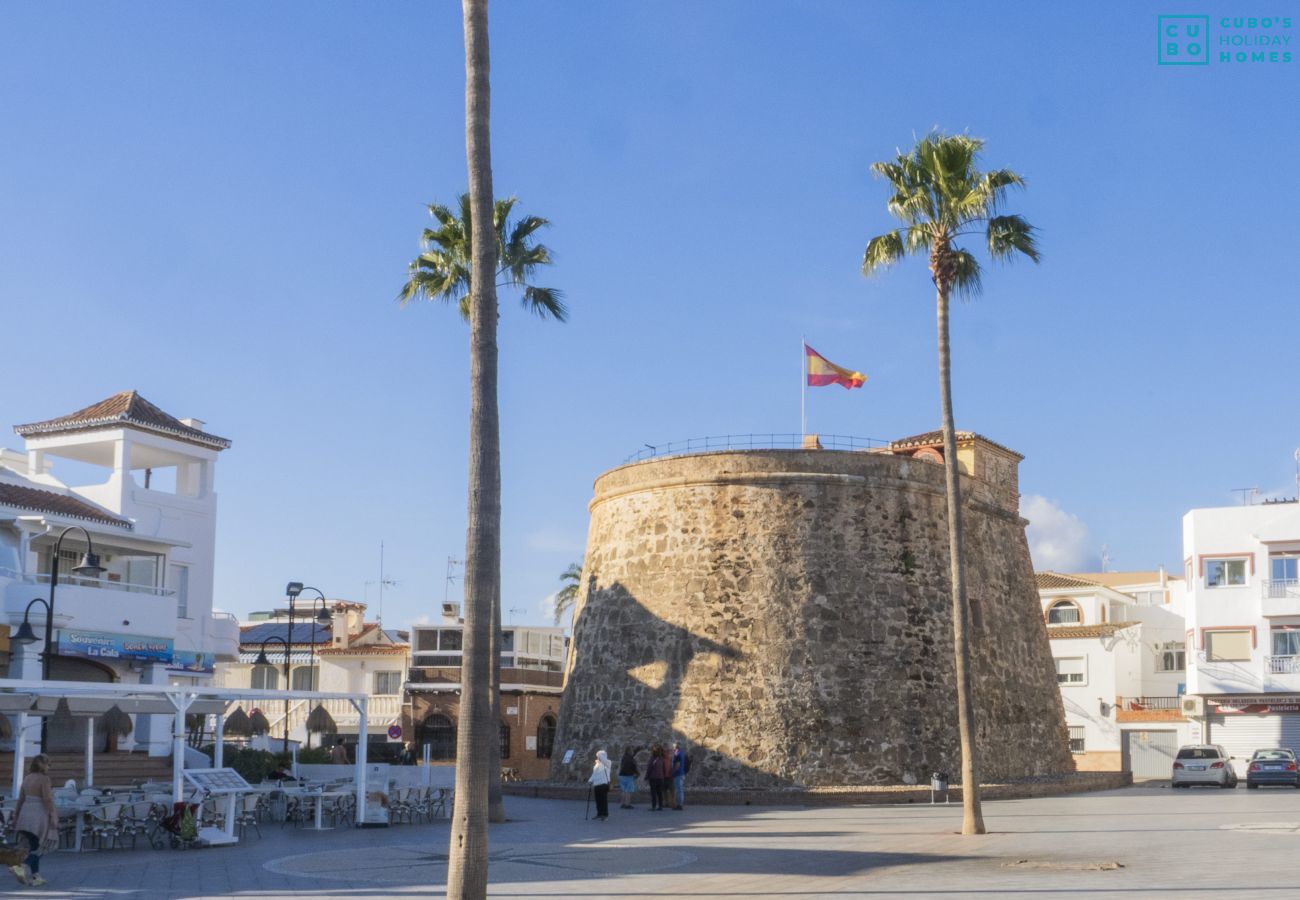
[[1120, 661], [345, 655], [142, 484], [1243, 623]]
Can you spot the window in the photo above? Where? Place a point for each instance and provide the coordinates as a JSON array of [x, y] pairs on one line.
[[181, 584], [1149, 598], [449, 639], [505, 741], [1198, 753], [1225, 646], [546, 737], [1077, 739], [1071, 670], [8, 550], [426, 641], [1286, 641], [1225, 572], [265, 678], [440, 734], [507, 641], [1064, 612], [1171, 656], [1283, 569], [388, 683], [305, 678]]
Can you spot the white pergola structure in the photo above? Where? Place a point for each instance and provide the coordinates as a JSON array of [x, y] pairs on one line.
[[29, 700]]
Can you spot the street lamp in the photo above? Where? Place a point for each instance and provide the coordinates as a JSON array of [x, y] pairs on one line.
[[263, 661], [292, 590], [89, 567]]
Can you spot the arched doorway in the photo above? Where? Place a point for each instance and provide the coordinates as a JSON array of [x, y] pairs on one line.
[[439, 732], [67, 734]]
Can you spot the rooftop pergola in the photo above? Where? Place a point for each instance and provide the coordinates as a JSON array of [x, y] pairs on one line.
[[32, 700]]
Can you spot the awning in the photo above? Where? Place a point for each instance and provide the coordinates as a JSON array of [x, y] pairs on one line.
[[297, 657]]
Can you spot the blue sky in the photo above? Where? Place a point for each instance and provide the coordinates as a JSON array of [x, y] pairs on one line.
[[214, 204]]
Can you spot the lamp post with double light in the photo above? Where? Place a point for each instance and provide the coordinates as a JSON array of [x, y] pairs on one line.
[[263, 661], [292, 590], [88, 567]]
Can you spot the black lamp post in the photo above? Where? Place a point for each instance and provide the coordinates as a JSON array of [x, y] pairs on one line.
[[90, 567], [292, 590], [263, 661]]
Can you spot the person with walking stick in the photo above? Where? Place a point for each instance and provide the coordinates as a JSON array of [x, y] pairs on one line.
[[599, 782]]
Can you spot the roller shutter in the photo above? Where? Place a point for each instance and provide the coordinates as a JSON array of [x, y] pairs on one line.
[[1150, 754], [1242, 734]]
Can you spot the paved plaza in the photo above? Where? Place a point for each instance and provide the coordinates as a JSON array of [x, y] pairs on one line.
[[1146, 840]]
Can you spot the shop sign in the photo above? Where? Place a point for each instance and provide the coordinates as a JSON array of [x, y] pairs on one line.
[[100, 645]]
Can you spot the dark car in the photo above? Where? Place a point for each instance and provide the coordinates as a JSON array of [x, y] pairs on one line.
[[1273, 767]]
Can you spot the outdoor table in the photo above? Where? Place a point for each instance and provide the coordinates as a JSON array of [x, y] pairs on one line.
[[320, 795]]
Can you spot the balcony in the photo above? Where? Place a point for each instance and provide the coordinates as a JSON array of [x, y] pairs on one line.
[[1148, 709], [95, 604], [448, 678], [223, 636], [1280, 598]]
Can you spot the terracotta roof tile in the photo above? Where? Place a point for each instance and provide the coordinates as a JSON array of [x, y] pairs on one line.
[[126, 408], [1063, 632], [1055, 581], [23, 497], [1121, 579]]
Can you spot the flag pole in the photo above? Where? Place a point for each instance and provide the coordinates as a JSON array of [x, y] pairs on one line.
[[803, 387]]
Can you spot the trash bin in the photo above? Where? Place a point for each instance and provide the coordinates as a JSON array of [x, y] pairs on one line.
[[939, 782]]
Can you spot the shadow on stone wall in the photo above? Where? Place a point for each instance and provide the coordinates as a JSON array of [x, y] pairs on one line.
[[635, 701]]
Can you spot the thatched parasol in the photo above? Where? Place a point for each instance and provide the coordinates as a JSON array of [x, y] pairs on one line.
[[62, 714], [114, 721], [258, 722], [238, 723], [321, 722]]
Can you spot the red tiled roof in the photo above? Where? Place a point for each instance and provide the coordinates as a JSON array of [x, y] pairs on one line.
[[23, 497], [126, 408], [366, 650], [935, 439], [1055, 581], [1062, 632]]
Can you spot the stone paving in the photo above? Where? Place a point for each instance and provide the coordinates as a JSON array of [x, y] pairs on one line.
[[1147, 841]]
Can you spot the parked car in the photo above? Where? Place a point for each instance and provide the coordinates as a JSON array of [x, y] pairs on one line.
[[1203, 764], [1276, 766]]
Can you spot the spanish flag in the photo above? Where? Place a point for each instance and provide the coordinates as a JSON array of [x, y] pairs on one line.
[[821, 370]]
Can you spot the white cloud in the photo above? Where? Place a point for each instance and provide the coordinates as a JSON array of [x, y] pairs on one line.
[[1058, 540]]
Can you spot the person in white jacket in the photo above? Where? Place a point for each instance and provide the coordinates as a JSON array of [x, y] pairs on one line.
[[599, 780]]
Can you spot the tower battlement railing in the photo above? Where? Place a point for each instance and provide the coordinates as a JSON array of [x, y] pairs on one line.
[[718, 442]]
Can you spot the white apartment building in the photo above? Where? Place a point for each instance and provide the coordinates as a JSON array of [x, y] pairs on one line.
[[141, 483], [1243, 624], [346, 655], [1119, 649]]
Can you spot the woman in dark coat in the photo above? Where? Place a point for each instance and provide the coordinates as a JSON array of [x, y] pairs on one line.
[[657, 774]]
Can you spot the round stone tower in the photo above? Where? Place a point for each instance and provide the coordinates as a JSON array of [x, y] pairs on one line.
[[787, 615]]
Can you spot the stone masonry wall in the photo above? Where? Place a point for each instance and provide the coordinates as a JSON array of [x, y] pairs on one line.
[[787, 614]]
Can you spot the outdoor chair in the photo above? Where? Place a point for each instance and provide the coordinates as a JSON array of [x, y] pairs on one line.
[[106, 825], [401, 806], [138, 820], [302, 810], [337, 809], [248, 813]]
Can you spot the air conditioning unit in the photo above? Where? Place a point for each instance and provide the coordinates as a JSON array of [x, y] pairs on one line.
[[1193, 706]]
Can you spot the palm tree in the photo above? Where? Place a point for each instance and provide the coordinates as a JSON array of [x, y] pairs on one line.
[[940, 196], [442, 271], [567, 596], [467, 863]]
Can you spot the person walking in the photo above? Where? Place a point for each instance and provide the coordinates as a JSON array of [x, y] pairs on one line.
[[678, 772], [656, 774], [339, 753], [36, 821], [599, 781], [627, 773]]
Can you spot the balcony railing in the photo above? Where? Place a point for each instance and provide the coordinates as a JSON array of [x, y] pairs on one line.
[[1282, 665], [1278, 590], [81, 581], [1136, 704]]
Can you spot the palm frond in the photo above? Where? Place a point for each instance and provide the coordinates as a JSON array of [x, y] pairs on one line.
[[1008, 235], [883, 251], [966, 275], [544, 302]]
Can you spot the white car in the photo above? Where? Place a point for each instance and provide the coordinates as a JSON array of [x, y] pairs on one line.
[[1203, 764]]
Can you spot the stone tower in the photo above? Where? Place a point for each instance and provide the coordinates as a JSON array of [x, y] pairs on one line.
[[786, 613]]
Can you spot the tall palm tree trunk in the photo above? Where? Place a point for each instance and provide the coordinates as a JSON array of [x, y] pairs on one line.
[[467, 871], [972, 817]]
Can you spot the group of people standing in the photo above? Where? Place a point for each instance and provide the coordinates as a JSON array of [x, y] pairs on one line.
[[667, 769]]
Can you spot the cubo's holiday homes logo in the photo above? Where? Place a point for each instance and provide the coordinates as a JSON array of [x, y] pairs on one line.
[[1188, 41]]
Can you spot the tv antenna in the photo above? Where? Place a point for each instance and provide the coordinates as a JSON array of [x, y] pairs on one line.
[[451, 576], [383, 582], [1247, 495], [510, 613], [1105, 557], [1297, 474]]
